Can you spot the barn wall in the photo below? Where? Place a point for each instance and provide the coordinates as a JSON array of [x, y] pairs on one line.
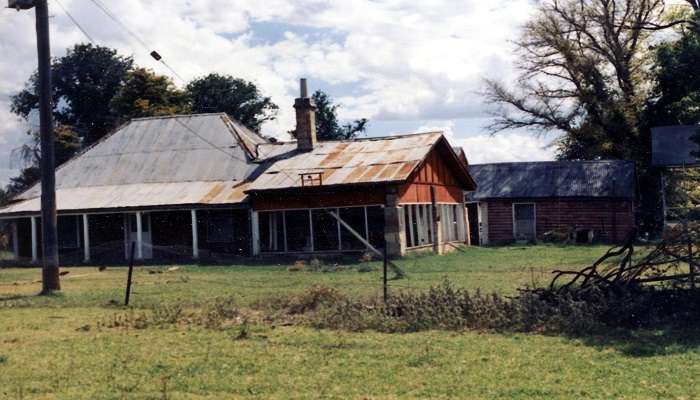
[[358, 196], [612, 220], [433, 172]]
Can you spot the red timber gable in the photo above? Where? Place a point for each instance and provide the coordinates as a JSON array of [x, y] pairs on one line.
[[436, 170]]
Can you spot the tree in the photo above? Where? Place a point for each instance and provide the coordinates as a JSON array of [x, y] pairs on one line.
[[675, 98], [84, 81], [327, 125], [240, 99], [582, 72], [146, 94]]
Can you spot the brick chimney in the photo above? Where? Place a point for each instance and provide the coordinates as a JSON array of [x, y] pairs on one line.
[[306, 119]]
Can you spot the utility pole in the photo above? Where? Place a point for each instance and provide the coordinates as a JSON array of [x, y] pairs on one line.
[[49, 234]]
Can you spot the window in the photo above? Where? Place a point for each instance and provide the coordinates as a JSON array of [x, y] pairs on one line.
[[220, 227], [298, 230], [271, 231], [375, 223], [325, 230], [355, 217], [68, 232]]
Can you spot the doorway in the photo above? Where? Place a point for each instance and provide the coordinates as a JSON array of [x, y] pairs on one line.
[[524, 221]]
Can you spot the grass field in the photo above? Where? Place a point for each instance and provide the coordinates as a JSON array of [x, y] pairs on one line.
[[57, 347]]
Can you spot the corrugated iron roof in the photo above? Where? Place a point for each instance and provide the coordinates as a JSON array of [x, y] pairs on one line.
[[156, 161], [373, 160], [141, 195], [553, 179], [671, 145]]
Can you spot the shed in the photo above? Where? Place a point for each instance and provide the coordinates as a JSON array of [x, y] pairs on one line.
[[526, 201]]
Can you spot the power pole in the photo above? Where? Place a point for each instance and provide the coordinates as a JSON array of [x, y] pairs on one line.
[[49, 234]]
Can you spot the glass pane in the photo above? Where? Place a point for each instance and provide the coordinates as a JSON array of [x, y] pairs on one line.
[[375, 220], [271, 231], [67, 228], [220, 227], [325, 230], [298, 233], [355, 217]]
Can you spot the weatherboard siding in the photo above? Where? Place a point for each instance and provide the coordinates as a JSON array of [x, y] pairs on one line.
[[612, 220], [433, 173]]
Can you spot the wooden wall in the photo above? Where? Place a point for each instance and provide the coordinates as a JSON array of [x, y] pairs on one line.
[[611, 219], [433, 172]]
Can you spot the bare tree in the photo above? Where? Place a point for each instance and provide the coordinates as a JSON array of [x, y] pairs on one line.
[[582, 72]]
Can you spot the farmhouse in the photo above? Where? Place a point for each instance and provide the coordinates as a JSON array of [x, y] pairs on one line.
[[205, 186], [525, 201]]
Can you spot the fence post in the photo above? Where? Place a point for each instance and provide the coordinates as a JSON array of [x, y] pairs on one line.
[[128, 279]]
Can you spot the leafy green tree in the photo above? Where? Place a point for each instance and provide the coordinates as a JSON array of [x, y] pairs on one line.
[[146, 94], [84, 81], [327, 125], [238, 98]]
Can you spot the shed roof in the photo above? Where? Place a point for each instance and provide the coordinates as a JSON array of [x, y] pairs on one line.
[[553, 179], [350, 162], [671, 145], [187, 159]]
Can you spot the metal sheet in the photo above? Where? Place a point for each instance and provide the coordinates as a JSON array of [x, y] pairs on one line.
[[139, 195], [372, 160], [156, 161], [553, 179]]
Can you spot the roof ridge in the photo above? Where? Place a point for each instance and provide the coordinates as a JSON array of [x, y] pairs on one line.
[[169, 116], [363, 139]]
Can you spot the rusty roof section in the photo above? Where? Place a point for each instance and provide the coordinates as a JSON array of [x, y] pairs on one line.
[[347, 162], [157, 161]]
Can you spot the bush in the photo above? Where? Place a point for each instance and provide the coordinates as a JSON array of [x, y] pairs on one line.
[[445, 307]]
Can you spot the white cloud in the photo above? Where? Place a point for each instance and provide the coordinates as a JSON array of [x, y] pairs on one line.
[[405, 60], [502, 147]]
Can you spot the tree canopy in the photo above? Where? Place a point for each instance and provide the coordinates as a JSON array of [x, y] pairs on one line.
[[146, 94], [238, 98], [327, 125]]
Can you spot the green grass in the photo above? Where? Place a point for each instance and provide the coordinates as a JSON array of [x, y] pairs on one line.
[[55, 348]]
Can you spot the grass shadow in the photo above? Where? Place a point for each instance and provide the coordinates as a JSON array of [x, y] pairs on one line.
[[645, 342]]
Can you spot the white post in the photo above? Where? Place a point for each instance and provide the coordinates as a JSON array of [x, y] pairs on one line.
[[127, 233], [195, 238], [340, 236], [311, 230], [139, 236], [255, 229], [35, 250], [86, 239], [410, 208], [15, 240]]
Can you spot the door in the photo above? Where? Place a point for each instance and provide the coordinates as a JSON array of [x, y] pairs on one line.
[[524, 221], [145, 233], [473, 213]]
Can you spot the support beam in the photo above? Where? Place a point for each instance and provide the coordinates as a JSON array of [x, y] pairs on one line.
[[15, 240], [195, 238], [255, 229], [411, 234], [126, 227], [35, 248], [467, 228], [86, 239], [394, 230], [436, 221], [139, 236]]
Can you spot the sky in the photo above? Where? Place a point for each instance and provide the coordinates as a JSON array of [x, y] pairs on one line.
[[407, 66]]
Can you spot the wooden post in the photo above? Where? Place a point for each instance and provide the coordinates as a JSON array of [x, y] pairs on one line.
[[139, 236], [691, 267], [35, 249], [128, 278], [385, 265], [435, 218], [15, 240], [86, 239], [195, 238], [255, 229]]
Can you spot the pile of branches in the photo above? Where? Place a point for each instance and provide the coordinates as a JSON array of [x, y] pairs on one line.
[[673, 262]]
